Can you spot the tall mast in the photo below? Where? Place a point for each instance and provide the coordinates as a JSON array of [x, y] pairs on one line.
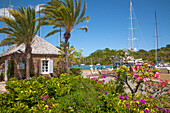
[[131, 25], [60, 36], [4, 26], [39, 21], [156, 40]]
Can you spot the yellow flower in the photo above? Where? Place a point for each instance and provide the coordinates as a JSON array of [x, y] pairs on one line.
[[137, 102], [149, 105]]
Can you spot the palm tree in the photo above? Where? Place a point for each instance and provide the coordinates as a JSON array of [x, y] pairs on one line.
[[21, 29], [66, 14]]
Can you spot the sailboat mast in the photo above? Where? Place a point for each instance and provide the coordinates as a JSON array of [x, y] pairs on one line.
[[131, 25], [4, 26], [156, 40]]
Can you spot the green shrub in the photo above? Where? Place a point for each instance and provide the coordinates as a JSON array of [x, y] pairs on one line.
[[71, 93], [2, 75], [75, 71], [10, 71]]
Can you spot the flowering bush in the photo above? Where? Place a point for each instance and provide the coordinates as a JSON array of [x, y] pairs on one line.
[[71, 93], [141, 78]]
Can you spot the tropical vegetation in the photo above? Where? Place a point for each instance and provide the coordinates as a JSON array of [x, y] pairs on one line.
[[73, 58], [67, 15], [103, 56], [71, 93], [21, 30]]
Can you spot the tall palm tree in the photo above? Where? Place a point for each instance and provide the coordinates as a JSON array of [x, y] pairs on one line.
[[66, 14], [21, 29]]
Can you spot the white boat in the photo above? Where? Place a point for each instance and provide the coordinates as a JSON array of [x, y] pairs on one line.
[[82, 64]]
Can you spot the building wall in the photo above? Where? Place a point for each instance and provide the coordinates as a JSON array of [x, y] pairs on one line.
[[35, 64]]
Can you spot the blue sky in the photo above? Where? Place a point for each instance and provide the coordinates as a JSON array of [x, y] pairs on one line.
[[109, 23]]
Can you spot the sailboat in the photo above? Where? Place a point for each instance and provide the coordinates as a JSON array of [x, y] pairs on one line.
[[156, 49]]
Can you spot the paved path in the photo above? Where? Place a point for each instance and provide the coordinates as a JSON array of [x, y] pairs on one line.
[[2, 87]]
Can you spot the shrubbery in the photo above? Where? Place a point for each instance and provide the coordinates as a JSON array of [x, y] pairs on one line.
[[10, 71], [2, 75], [71, 93], [75, 71]]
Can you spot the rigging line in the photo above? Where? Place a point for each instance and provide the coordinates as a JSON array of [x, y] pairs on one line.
[[129, 37], [139, 29]]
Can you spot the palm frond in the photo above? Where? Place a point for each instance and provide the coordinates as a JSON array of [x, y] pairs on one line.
[[52, 32], [82, 28], [7, 41]]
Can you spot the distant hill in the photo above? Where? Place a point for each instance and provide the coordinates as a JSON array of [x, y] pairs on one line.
[[103, 56]]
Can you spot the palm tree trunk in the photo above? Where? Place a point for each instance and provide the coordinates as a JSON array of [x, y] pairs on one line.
[[28, 57], [66, 36], [65, 54]]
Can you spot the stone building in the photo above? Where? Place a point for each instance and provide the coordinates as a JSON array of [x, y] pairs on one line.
[[44, 55]]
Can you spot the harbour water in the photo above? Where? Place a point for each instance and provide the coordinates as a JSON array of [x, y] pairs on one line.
[[87, 67]]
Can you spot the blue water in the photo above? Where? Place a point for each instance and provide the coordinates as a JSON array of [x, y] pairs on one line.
[[87, 67]]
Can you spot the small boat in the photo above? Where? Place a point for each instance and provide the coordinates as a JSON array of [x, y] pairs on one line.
[[98, 64], [82, 64]]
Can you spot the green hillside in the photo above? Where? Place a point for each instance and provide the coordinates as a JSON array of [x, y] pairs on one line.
[[103, 56]]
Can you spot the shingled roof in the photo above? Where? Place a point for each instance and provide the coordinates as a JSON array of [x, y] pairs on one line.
[[39, 46]]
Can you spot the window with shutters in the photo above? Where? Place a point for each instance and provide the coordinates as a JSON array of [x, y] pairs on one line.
[[46, 66]]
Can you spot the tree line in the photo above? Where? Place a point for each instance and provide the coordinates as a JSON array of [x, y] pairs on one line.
[[103, 56]]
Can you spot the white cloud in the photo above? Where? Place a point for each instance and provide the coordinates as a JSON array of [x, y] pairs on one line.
[[37, 8], [7, 13]]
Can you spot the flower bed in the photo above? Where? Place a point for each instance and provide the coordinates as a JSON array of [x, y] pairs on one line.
[[71, 93]]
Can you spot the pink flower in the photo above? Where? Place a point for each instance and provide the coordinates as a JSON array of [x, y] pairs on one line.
[[115, 78], [140, 63], [137, 63], [145, 79], [44, 98], [146, 111], [136, 76], [103, 80], [138, 67], [100, 81], [134, 68], [161, 81], [103, 76], [92, 78], [143, 101], [159, 107], [49, 104], [96, 79], [121, 97], [163, 85], [168, 82], [138, 79], [152, 64], [156, 75], [126, 97]]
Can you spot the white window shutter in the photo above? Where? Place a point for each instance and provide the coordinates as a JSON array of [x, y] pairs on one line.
[[6, 69], [41, 66], [51, 66]]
